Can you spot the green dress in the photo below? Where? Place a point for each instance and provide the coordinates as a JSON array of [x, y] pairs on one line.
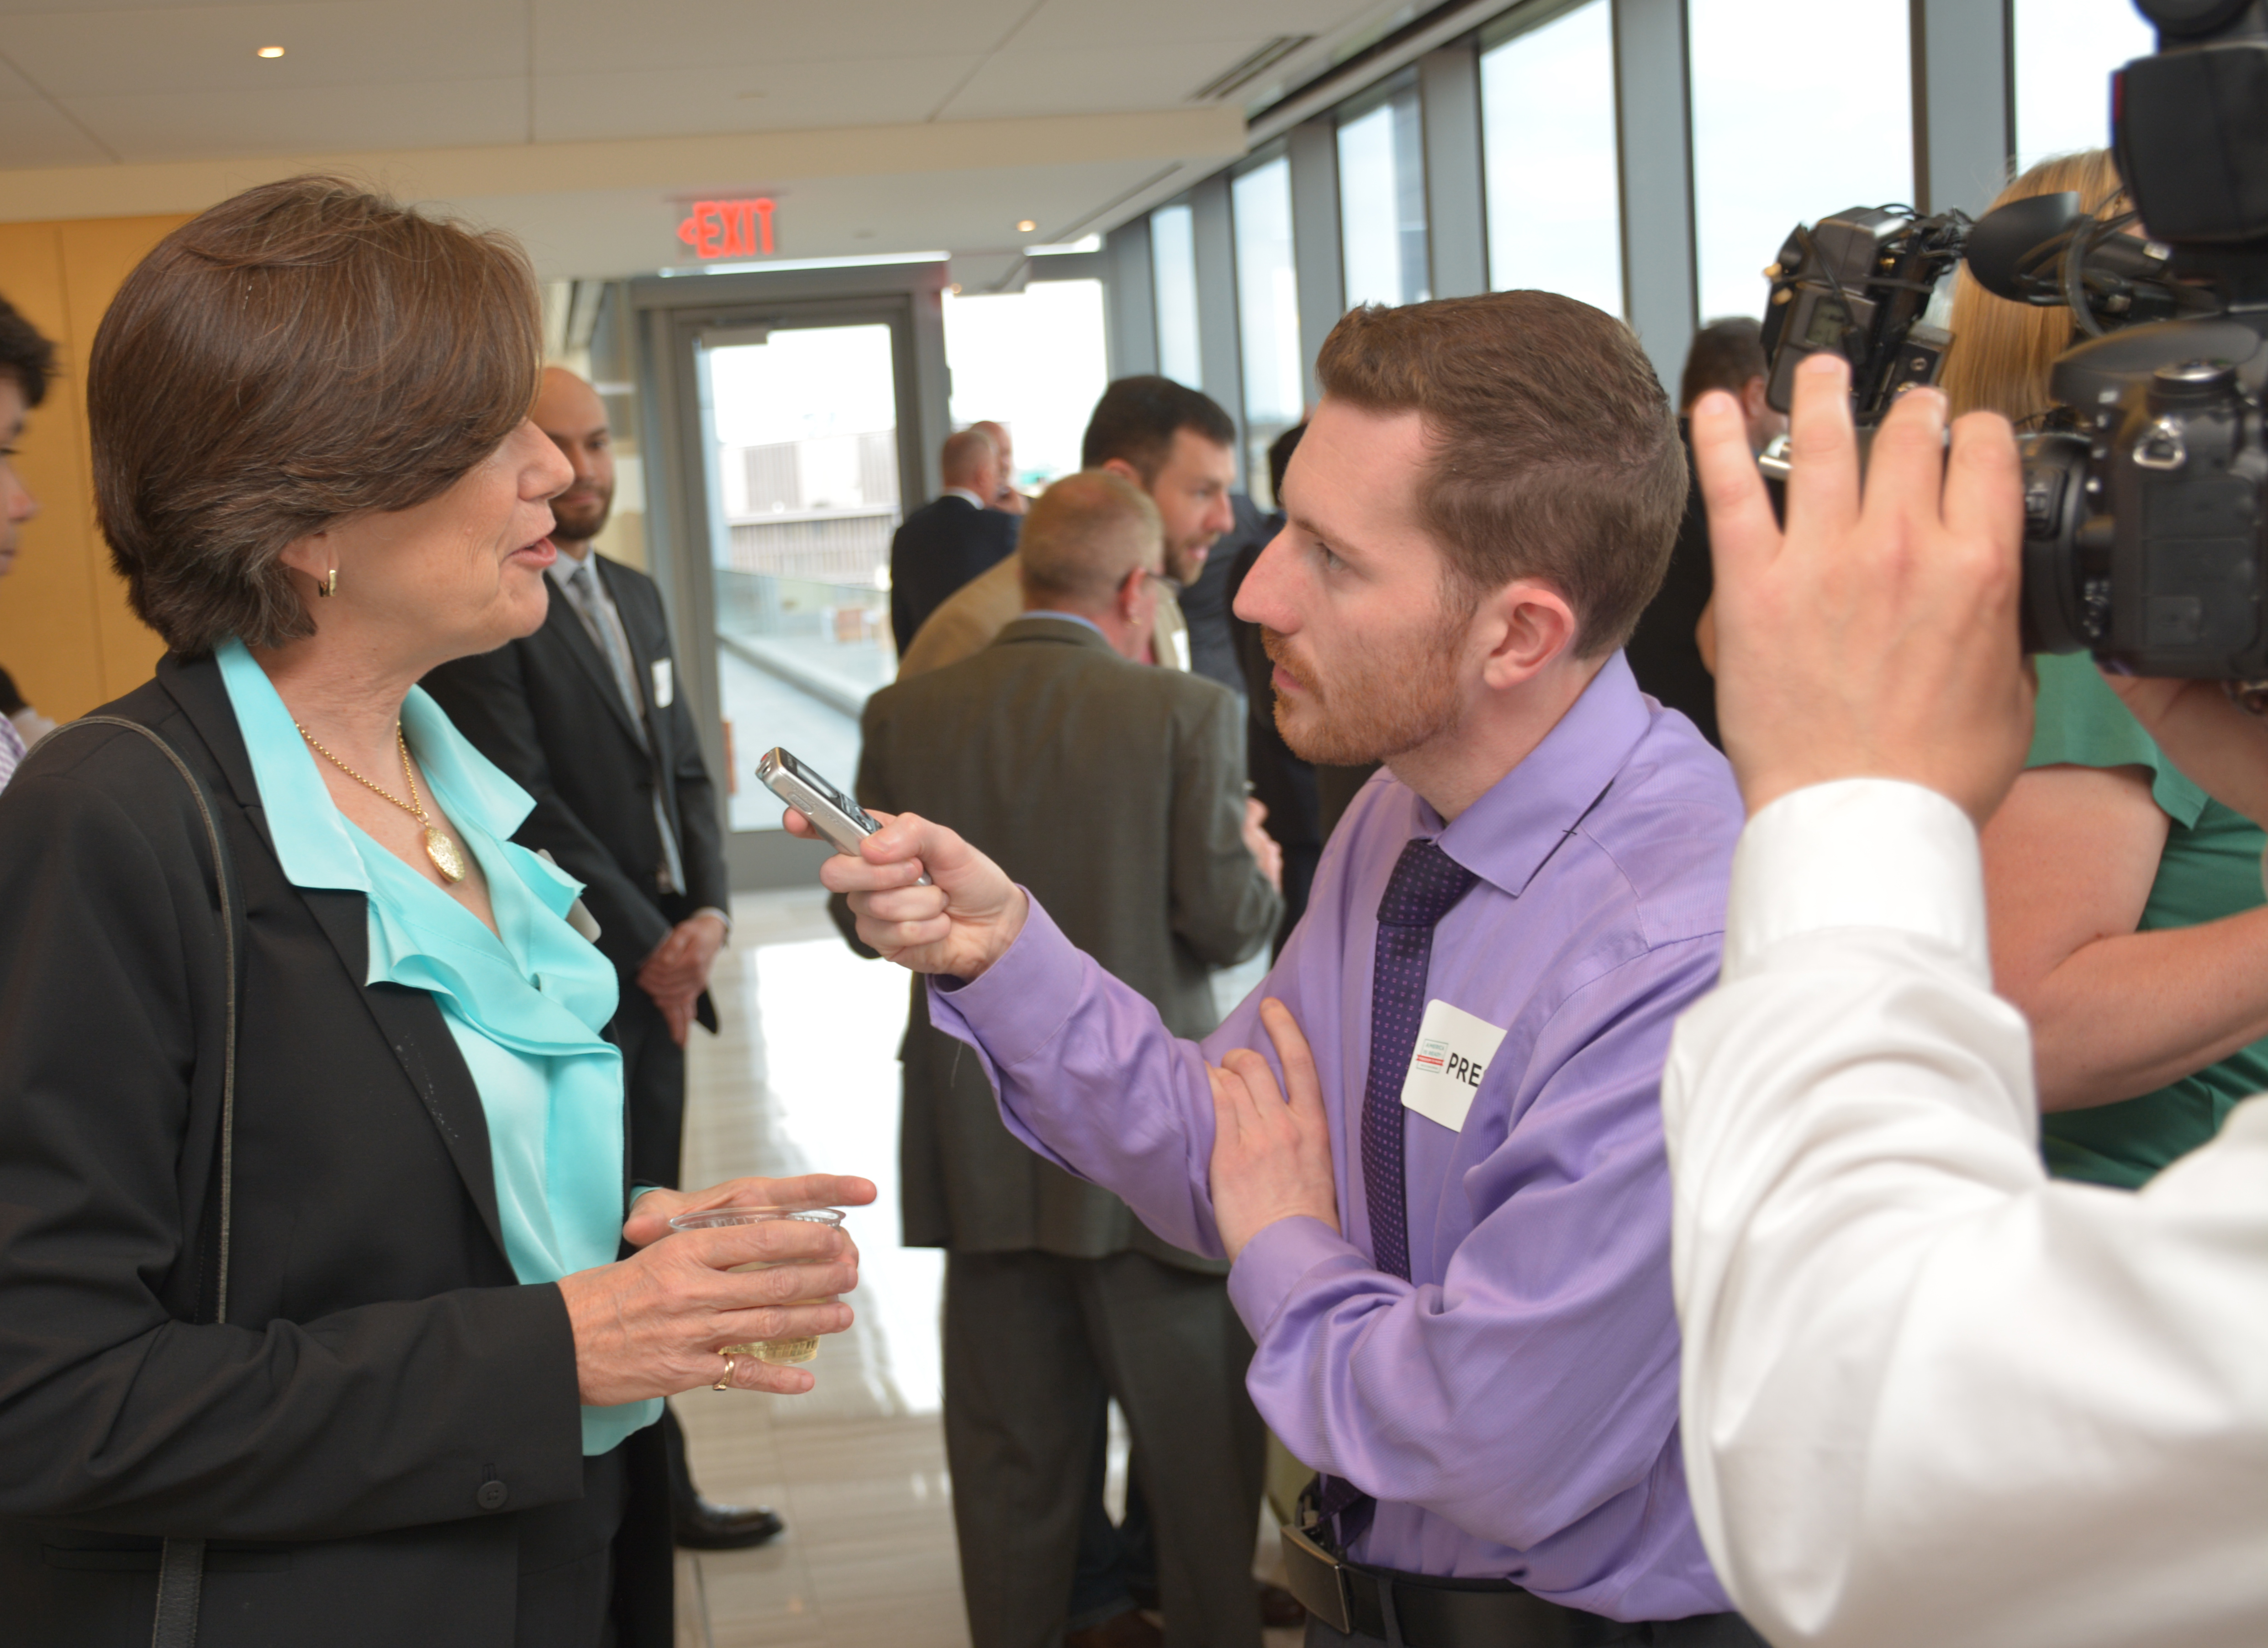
[[2211, 868]]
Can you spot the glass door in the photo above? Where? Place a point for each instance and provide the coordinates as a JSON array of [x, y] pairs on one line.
[[799, 429]]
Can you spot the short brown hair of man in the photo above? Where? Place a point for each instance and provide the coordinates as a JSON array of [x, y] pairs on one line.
[[1727, 355], [1553, 452], [1137, 419], [301, 354], [1083, 536]]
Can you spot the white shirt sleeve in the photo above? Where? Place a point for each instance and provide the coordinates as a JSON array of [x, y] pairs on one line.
[[1930, 1396]]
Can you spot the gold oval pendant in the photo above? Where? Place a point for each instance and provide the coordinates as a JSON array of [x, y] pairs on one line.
[[444, 853]]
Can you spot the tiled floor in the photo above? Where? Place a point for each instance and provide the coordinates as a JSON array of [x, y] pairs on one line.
[[804, 1078]]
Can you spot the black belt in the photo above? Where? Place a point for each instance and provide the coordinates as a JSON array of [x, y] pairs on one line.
[[1420, 1611]]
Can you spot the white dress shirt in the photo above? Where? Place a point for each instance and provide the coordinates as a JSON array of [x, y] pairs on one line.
[[1932, 1397]]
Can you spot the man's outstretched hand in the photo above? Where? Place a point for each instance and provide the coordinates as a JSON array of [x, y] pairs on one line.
[[959, 926], [1271, 1160], [1873, 638]]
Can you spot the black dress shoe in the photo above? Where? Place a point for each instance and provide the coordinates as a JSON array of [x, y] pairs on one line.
[[705, 1526]]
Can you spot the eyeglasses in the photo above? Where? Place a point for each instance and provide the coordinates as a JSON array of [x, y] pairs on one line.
[[1172, 586]]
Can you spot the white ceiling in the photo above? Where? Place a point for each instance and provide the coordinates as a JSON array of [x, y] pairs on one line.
[[138, 84]]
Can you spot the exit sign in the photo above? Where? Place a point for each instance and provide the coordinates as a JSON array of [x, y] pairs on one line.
[[728, 228]]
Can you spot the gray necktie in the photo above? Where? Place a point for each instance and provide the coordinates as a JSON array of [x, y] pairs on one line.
[[606, 629]]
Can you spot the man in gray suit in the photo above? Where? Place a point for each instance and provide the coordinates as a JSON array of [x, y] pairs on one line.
[[1115, 791]]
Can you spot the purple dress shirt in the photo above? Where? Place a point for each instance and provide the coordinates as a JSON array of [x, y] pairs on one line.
[[1513, 1405]]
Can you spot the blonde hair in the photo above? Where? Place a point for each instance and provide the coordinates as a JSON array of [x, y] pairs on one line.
[[2002, 351]]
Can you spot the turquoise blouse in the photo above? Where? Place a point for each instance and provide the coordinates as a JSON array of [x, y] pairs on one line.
[[525, 1010]]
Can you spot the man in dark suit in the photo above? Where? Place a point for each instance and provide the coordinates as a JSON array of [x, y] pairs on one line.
[[585, 717], [950, 539], [1119, 790], [1664, 651]]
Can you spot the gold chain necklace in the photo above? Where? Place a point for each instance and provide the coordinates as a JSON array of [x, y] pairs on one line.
[[438, 847]]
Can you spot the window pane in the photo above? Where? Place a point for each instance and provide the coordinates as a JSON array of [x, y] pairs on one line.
[[1774, 144], [1033, 360], [803, 445], [1382, 203], [1268, 312], [2066, 50], [1174, 269], [1548, 142]]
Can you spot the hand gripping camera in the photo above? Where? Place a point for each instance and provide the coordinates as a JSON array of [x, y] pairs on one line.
[[2145, 498]]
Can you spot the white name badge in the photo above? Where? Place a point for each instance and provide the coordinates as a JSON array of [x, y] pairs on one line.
[[1452, 1054], [665, 684]]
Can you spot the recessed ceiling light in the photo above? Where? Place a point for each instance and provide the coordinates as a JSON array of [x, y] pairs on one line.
[[1026, 226], [269, 51]]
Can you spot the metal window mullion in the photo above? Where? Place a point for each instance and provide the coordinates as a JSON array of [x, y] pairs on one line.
[[1219, 341], [1964, 114], [1456, 209], [1654, 153], [1317, 261], [1130, 301]]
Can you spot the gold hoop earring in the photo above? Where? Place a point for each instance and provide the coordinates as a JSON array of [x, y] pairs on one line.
[[329, 586]]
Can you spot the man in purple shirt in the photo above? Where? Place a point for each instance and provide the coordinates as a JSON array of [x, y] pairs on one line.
[[1451, 1245]]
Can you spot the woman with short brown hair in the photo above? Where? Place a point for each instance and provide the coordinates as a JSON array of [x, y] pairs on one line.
[[312, 1326]]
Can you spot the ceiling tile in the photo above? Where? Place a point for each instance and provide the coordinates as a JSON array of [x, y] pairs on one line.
[[210, 125], [600, 36], [36, 8], [674, 102], [1061, 24], [1091, 80], [349, 42], [33, 133], [15, 88]]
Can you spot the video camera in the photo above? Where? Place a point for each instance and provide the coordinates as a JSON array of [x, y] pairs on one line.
[[2145, 494]]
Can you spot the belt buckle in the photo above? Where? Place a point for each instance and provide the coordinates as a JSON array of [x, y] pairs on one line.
[[1318, 1579]]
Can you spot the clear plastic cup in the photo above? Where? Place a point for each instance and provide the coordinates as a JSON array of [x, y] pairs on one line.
[[715, 1219]]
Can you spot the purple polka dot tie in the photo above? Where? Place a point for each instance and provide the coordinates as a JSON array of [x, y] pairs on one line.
[[1426, 883]]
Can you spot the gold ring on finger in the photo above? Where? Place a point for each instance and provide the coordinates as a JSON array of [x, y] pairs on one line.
[[731, 1366]]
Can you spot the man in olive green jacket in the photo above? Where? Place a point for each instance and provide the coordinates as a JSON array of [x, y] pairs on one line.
[[1115, 791]]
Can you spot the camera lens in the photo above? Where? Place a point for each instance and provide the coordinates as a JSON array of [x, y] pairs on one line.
[[2056, 607]]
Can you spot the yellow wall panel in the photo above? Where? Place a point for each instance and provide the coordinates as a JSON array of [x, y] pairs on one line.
[[50, 639], [66, 633], [98, 255]]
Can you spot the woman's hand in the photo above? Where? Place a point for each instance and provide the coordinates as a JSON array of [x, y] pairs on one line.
[[650, 1217], [959, 926], [655, 1324]]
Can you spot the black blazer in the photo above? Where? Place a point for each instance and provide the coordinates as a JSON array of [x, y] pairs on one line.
[[545, 709], [365, 1436], [937, 549], [1662, 652]]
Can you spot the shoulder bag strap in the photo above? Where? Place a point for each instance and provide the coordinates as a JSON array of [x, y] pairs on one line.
[[180, 1572]]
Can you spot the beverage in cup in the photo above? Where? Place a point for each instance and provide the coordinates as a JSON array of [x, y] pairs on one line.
[[802, 1350]]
